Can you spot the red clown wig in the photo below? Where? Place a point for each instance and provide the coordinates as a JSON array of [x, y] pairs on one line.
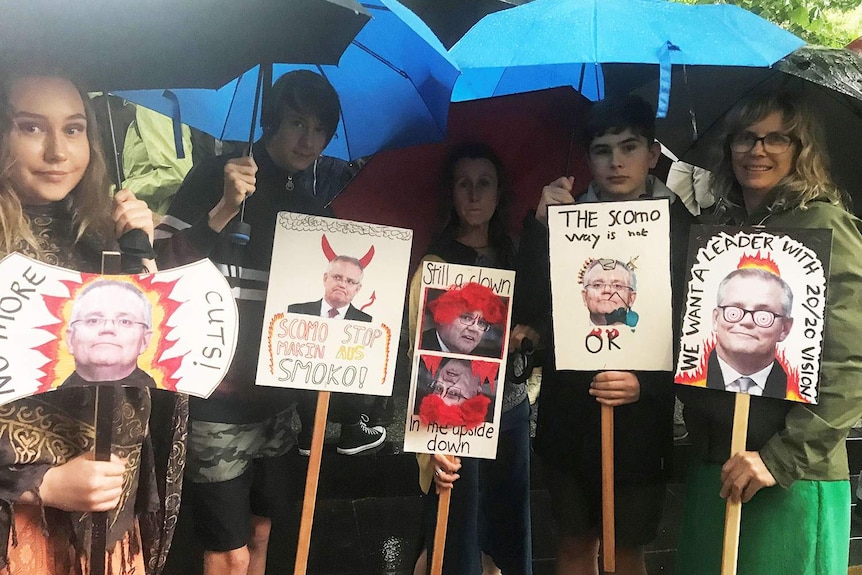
[[469, 298]]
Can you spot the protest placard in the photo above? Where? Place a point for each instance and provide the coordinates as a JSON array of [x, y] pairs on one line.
[[334, 305], [459, 360], [754, 311], [174, 330], [610, 285]]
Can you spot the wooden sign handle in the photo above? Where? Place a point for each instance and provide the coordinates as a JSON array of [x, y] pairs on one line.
[[609, 551], [440, 528], [733, 509], [104, 427], [311, 479]]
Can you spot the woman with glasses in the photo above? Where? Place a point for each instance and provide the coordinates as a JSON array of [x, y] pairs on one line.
[[489, 513], [793, 475], [56, 207]]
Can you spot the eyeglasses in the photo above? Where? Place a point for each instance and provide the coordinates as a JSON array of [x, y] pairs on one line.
[[338, 278], [451, 392], [477, 320], [101, 322], [760, 317], [773, 142], [603, 286]]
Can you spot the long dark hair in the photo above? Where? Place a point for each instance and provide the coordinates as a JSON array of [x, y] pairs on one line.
[[498, 234]]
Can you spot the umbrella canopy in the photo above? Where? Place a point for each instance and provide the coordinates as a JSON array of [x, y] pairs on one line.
[[830, 79], [449, 19], [535, 135], [394, 80], [559, 42], [110, 44]]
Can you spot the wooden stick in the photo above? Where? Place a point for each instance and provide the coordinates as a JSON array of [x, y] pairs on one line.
[[440, 528], [104, 427], [310, 498], [733, 509], [609, 551]]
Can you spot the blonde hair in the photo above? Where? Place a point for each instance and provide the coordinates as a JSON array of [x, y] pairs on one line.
[[89, 200], [809, 177]]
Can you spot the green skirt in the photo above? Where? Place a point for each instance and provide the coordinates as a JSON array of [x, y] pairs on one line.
[[804, 530]]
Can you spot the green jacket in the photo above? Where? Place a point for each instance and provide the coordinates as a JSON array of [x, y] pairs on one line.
[[153, 171], [799, 441]]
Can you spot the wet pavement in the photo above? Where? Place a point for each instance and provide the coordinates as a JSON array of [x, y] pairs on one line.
[[368, 515]]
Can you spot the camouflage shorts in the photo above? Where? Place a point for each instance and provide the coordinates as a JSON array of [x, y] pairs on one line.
[[223, 451]]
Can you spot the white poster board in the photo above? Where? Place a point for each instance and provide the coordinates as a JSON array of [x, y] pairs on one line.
[[459, 360], [610, 285], [755, 308], [323, 263], [178, 327]]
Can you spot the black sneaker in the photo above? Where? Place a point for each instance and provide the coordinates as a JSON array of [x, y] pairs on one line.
[[360, 437], [303, 443]]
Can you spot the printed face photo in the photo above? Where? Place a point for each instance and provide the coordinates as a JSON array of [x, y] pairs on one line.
[[341, 283], [111, 326], [455, 382], [609, 291], [464, 333], [751, 317], [454, 391], [460, 321]]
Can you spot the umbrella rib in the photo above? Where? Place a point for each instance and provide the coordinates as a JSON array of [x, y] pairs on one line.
[[230, 109], [380, 58], [322, 72]]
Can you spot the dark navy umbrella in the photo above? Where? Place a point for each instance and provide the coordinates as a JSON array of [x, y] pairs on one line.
[[119, 44], [394, 80]]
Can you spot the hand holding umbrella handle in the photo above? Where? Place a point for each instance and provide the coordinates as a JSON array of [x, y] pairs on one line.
[[135, 247], [557, 192], [239, 183]]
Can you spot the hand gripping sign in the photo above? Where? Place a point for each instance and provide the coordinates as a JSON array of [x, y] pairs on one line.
[[173, 330]]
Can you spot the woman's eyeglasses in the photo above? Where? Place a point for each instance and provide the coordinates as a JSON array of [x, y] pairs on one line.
[[773, 142]]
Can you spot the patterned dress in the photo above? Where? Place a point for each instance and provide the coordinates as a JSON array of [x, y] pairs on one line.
[[42, 431]]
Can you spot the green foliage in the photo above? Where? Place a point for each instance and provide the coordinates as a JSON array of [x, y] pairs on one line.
[[833, 23]]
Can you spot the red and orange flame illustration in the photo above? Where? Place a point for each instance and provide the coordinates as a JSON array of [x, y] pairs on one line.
[[697, 377], [757, 262], [61, 363], [793, 391]]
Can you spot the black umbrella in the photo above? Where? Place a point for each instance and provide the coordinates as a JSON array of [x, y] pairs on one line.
[[450, 19], [119, 44], [829, 79]]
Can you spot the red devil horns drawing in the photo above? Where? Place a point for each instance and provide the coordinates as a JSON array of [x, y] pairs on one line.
[[331, 255]]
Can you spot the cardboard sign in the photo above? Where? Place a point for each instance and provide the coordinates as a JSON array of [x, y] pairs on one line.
[[610, 285], [175, 329], [754, 311], [358, 270], [459, 360]]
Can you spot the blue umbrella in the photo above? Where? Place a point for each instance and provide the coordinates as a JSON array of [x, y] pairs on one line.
[[549, 43], [395, 82]]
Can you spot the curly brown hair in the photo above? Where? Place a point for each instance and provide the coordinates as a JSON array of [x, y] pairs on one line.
[[808, 180]]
